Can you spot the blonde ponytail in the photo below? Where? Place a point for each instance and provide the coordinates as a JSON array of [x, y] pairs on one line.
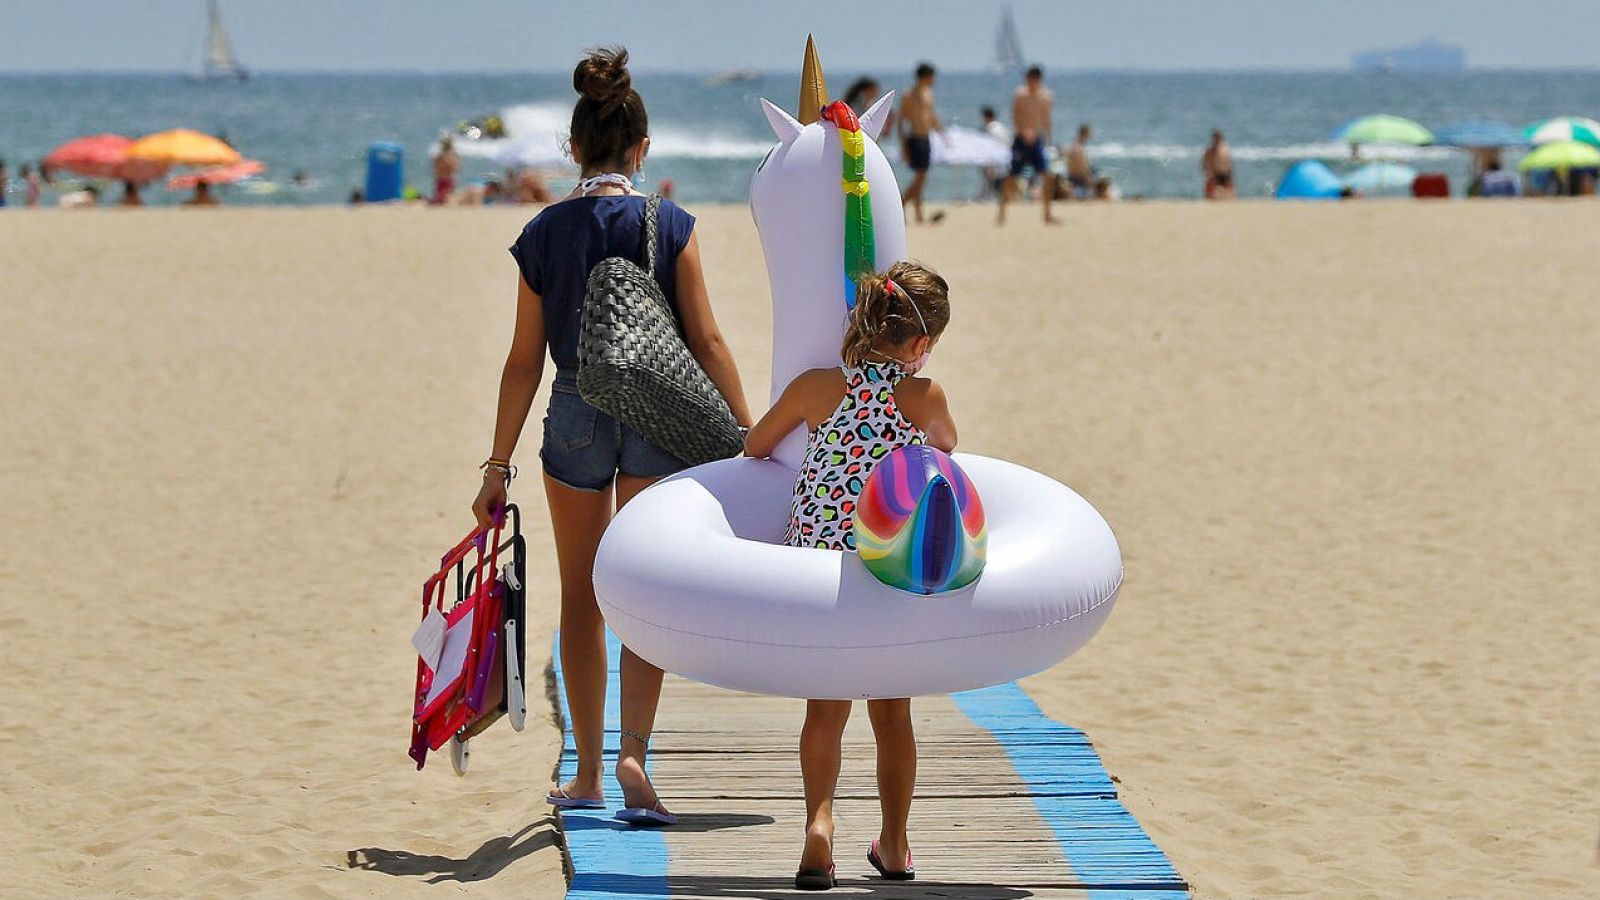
[[882, 318]]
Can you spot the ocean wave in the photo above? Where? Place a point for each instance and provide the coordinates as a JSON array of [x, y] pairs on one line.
[[1330, 150], [538, 134]]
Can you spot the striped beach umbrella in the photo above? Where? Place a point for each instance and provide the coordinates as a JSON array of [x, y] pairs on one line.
[[1564, 128], [1383, 129]]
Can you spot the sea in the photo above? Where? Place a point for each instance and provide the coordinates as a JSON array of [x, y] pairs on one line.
[[1149, 129]]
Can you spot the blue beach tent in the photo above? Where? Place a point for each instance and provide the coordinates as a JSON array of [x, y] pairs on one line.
[[1309, 179]]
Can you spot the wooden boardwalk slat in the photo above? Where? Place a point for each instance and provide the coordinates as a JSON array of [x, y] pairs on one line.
[[1009, 804]]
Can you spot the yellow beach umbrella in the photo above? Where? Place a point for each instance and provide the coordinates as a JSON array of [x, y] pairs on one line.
[[1561, 156], [182, 147]]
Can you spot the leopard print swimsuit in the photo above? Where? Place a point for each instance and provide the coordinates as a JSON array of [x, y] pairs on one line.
[[841, 453]]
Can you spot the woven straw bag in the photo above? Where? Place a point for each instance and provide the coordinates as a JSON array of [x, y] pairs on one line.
[[634, 365]]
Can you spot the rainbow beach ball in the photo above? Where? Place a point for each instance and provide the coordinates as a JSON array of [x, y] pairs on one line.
[[919, 524]]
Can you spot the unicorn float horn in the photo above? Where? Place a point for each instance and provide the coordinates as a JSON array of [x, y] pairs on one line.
[[813, 87], [819, 231]]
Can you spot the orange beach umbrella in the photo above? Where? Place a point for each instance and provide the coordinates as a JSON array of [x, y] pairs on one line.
[[182, 147], [217, 175], [103, 156]]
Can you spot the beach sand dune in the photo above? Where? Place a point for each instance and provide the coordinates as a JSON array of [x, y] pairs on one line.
[[1352, 453]]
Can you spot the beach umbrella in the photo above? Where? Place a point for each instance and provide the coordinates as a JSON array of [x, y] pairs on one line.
[[1563, 128], [1309, 179], [958, 146], [1381, 178], [102, 156], [1561, 156], [217, 175], [1479, 134], [182, 147], [527, 152], [1383, 129]]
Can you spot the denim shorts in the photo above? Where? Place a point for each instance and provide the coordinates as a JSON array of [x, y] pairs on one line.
[[585, 449]]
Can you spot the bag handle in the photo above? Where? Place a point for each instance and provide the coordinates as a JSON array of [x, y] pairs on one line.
[[652, 215]]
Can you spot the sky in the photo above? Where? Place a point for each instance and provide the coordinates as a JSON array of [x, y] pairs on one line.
[[716, 35]]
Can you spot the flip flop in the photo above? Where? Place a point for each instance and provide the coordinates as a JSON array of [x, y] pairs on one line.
[[641, 817], [909, 873], [560, 799], [816, 879]]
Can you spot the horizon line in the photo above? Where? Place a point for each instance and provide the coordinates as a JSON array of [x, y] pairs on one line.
[[707, 73]]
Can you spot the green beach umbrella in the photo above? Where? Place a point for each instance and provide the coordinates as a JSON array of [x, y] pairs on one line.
[[1383, 129], [1563, 128], [1561, 156]]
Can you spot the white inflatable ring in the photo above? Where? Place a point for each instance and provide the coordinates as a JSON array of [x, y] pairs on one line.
[[693, 574], [694, 578]]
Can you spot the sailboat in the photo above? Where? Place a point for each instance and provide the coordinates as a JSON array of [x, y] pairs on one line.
[[218, 62], [1007, 48]]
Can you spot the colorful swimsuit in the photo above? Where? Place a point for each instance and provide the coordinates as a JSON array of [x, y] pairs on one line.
[[841, 453]]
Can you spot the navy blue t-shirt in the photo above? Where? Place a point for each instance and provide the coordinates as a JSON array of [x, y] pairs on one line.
[[557, 250]]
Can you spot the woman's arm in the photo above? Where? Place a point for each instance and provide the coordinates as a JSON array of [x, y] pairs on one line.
[[702, 334], [519, 381]]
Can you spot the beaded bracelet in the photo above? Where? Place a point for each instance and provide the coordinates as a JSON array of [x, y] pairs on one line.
[[504, 467]]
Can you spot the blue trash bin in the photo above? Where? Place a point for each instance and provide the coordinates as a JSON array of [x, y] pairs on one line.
[[385, 171]]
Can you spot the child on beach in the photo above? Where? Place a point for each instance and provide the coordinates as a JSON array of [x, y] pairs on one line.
[[872, 401]]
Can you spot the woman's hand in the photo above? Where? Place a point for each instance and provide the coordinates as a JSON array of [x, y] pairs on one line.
[[491, 499]]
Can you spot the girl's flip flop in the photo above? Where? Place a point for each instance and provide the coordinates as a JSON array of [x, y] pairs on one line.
[[560, 799], [816, 879], [907, 874], [641, 817]]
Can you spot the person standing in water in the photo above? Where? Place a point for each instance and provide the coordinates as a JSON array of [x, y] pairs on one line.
[[594, 464], [1080, 175], [446, 165], [1031, 109], [31, 188], [1217, 166], [918, 121]]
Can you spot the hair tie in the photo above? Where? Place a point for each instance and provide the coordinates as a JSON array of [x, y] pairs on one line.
[[888, 285]]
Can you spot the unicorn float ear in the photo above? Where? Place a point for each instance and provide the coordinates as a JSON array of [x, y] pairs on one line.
[[783, 124], [877, 116]]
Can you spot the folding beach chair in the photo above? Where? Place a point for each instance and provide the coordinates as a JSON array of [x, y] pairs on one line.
[[472, 642]]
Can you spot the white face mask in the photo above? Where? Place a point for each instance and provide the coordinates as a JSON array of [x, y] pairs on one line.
[[917, 364]]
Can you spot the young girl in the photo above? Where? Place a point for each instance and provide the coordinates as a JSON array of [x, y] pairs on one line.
[[874, 399]]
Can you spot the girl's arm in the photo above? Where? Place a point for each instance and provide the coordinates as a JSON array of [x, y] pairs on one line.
[[519, 381], [702, 334], [785, 416], [925, 405]]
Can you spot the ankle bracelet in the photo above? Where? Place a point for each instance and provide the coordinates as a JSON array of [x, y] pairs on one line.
[[637, 736]]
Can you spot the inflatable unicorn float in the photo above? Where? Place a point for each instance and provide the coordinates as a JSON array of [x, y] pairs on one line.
[[693, 574]]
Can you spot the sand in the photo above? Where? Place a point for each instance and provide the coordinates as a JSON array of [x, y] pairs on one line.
[[1352, 453]]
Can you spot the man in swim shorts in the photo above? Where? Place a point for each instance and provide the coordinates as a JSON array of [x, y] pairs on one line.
[[1031, 108], [917, 121]]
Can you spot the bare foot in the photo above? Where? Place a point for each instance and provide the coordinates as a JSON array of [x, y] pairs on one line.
[[818, 853], [580, 790], [1052, 220], [637, 791]]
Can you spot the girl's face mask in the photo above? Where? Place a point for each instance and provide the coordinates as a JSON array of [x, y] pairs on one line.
[[916, 365]]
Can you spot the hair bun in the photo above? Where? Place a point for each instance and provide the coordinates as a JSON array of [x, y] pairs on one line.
[[603, 77]]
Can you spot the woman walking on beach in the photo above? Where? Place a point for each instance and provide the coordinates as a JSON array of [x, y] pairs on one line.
[[590, 459]]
